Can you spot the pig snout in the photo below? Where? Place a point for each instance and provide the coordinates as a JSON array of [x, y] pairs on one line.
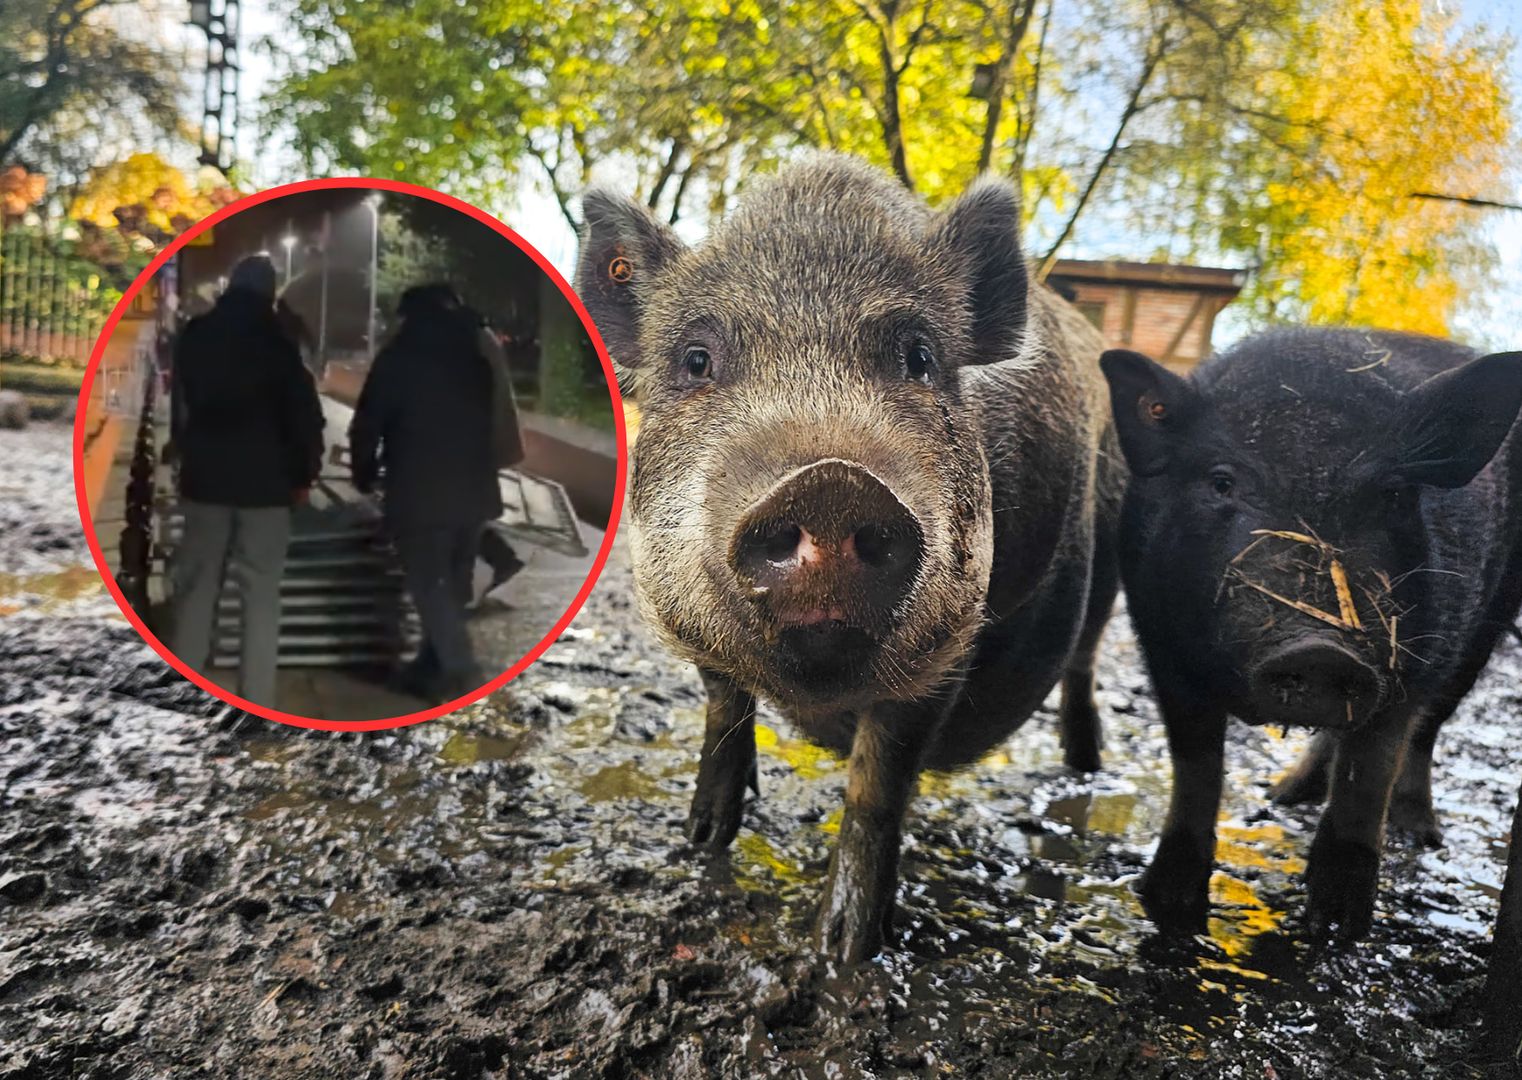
[[1314, 684], [830, 547]]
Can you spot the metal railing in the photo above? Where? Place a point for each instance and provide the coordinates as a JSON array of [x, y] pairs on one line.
[[135, 543], [53, 299]]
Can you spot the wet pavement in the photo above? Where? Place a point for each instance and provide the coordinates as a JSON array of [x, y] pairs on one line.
[[505, 892]]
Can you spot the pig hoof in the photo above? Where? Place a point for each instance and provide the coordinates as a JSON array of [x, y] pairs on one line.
[[714, 819], [1084, 761], [1342, 880], [1175, 890], [1172, 903], [1080, 737], [1417, 821]]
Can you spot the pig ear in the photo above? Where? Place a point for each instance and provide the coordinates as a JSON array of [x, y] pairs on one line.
[[623, 246], [981, 230], [1152, 406], [1453, 424]]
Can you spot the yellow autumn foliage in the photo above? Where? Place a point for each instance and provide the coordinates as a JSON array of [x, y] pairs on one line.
[[1389, 102], [145, 192]]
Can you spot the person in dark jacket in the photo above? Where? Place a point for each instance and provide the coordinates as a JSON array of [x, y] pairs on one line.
[[424, 417], [247, 427]]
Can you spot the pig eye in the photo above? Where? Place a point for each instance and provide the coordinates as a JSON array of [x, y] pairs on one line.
[[1222, 482], [1400, 498], [697, 364], [919, 360]]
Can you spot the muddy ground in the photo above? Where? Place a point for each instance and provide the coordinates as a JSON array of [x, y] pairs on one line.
[[506, 893]]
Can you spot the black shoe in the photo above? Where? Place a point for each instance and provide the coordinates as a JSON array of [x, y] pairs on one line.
[[505, 571], [448, 687], [497, 553]]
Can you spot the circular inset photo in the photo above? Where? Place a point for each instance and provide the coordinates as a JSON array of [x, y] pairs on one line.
[[349, 454]]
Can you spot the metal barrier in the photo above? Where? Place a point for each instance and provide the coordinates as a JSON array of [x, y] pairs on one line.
[[52, 300], [135, 543]]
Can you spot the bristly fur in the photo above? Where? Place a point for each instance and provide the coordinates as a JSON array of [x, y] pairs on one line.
[[1009, 460]]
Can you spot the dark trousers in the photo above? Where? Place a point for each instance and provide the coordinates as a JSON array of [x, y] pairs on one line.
[[437, 566], [252, 542]]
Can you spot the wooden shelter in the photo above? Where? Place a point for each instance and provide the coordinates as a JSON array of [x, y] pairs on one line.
[[1162, 310]]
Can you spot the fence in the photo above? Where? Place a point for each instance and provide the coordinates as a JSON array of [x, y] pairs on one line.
[[121, 387], [54, 299]]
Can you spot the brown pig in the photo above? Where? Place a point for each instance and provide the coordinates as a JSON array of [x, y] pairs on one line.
[[875, 483]]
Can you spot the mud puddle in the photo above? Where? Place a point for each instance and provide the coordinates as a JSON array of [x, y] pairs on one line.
[[505, 892]]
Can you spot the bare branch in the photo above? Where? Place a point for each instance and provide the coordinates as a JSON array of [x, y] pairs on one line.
[[1155, 55], [668, 167], [552, 173]]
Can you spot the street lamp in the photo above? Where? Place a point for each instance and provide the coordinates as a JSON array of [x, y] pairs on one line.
[[373, 201], [288, 241], [322, 307], [218, 20]]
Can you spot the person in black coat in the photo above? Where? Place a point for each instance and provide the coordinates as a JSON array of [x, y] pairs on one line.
[[247, 427], [425, 421]]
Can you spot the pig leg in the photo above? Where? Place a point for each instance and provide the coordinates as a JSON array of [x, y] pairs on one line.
[[1309, 778], [1342, 872], [1175, 890], [1411, 805], [1082, 735], [1503, 990], [857, 911], [727, 765]]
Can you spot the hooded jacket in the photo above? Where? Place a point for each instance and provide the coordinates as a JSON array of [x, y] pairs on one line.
[[425, 416], [246, 416]]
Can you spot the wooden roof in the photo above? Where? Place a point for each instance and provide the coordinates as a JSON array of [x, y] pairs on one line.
[[1164, 275]]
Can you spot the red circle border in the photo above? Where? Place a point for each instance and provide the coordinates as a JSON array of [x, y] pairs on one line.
[[366, 184]]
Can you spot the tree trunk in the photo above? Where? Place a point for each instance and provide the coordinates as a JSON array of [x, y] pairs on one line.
[[892, 117], [62, 22], [1004, 70], [681, 191]]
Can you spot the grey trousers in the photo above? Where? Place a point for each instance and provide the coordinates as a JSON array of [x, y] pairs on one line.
[[437, 566], [252, 542]]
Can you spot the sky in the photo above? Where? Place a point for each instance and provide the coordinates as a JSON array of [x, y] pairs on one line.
[[1501, 326], [1497, 323]]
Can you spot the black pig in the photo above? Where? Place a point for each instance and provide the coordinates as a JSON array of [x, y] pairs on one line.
[[1503, 989], [1320, 532], [869, 485]]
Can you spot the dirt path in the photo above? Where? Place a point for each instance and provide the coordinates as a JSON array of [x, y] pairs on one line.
[[505, 892]]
